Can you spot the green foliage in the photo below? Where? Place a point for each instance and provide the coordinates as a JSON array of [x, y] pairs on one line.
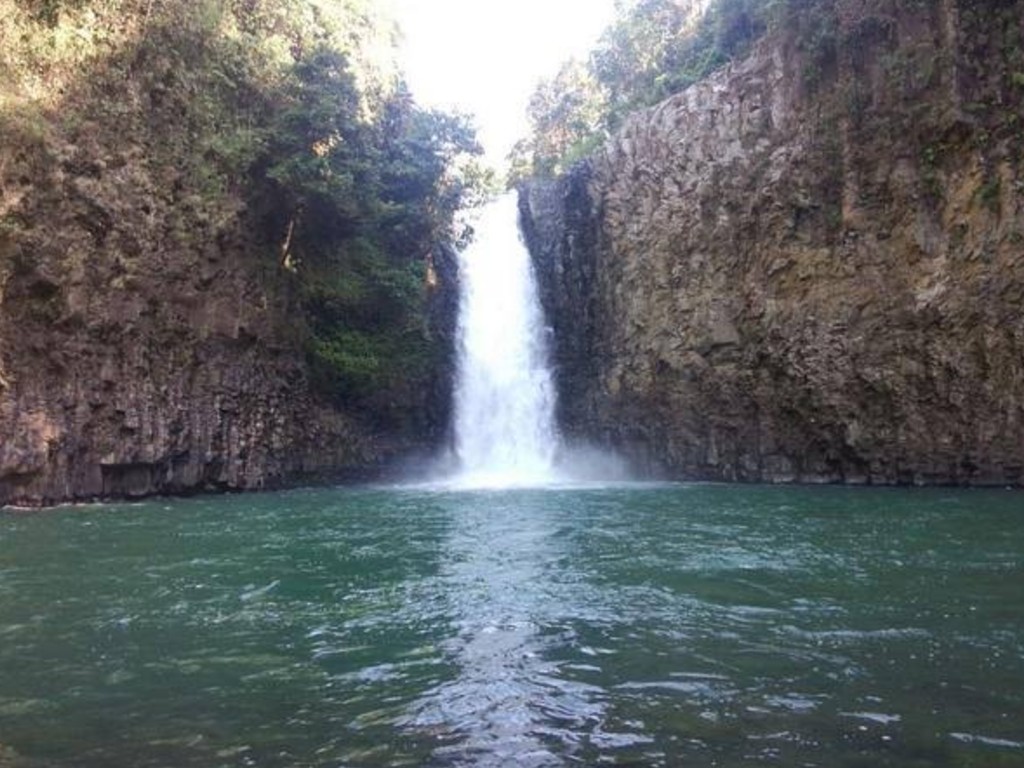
[[566, 113], [990, 192], [654, 49], [367, 322], [348, 361], [366, 200]]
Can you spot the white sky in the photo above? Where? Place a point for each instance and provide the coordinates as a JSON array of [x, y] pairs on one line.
[[486, 56]]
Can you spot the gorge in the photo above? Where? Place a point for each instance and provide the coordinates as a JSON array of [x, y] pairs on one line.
[[804, 267]]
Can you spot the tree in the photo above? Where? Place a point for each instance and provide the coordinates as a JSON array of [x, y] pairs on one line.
[[653, 49]]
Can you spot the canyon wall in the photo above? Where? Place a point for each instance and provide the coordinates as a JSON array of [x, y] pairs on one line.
[[146, 348], [810, 266], [155, 326]]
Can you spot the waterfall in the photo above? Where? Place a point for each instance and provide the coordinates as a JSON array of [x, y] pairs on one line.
[[505, 432]]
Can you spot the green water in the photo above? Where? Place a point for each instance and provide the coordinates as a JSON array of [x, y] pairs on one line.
[[674, 625]]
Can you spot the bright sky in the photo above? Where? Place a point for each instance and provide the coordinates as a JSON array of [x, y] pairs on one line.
[[486, 56]]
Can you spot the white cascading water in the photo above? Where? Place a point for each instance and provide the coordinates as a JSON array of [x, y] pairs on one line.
[[505, 432]]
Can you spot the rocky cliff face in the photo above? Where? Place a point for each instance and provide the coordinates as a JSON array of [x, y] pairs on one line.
[[151, 339], [809, 267], [143, 349]]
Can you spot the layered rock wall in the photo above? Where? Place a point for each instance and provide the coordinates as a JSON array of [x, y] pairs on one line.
[[150, 339], [810, 266]]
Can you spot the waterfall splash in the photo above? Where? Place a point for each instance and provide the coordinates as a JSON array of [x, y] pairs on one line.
[[505, 432]]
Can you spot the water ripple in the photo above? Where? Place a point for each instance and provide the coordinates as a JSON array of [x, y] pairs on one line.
[[698, 625]]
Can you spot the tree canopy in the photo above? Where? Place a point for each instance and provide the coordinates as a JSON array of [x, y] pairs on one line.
[[653, 49]]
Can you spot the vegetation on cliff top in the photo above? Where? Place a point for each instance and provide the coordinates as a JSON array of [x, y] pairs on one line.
[[657, 48], [287, 118], [653, 49]]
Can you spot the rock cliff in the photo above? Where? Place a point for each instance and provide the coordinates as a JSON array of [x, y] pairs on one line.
[[810, 266], [152, 338], [142, 350]]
